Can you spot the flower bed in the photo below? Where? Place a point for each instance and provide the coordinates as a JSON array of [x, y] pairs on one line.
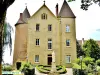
[[46, 69]]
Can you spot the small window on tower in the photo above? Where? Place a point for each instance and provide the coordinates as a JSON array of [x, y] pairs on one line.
[[68, 42], [67, 28], [44, 16]]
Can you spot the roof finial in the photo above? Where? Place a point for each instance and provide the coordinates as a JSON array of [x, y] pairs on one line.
[[26, 4], [44, 2]]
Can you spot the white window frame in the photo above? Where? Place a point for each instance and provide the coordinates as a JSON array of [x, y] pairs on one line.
[[50, 42], [67, 28], [67, 41], [36, 58], [68, 58], [37, 42]]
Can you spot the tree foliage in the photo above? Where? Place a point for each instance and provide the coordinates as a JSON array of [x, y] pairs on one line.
[[86, 3], [4, 4], [91, 49], [79, 49], [7, 36]]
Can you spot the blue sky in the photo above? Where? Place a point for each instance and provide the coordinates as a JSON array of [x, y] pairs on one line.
[[87, 22]]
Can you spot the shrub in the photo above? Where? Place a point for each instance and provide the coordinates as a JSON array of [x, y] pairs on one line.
[[98, 62], [7, 68], [78, 72], [27, 68], [90, 74], [88, 60], [76, 66]]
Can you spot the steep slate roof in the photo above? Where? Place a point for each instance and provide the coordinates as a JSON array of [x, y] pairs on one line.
[[66, 11], [25, 15]]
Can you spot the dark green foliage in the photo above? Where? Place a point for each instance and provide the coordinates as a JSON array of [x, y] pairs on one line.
[[98, 62], [79, 49], [27, 68], [91, 49], [4, 4], [7, 68], [88, 60], [86, 3], [78, 72]]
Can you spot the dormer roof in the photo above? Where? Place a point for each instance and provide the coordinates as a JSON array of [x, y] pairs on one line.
[[66, 11]]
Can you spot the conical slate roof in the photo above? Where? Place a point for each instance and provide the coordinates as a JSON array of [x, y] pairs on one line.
[[23, 17], [26, 14], [66, 11]]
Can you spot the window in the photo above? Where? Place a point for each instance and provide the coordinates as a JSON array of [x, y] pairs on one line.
[[49, 27], [44, 16], [37, 41], [37, 27], [36, 58], [67, 42], [67, 28], [68, 59], [49, 43]]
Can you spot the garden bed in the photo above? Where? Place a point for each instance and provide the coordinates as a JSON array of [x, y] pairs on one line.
[[47, 68]]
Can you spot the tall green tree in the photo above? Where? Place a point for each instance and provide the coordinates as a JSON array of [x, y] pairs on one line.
[[86, 3], [4, 4], [79, 49], [91, 49]]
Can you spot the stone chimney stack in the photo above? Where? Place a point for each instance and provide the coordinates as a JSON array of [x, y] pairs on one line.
[[21, 16], [57, 9], [82, 41]]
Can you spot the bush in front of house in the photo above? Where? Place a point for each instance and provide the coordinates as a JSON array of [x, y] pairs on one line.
[[27, 68], [79, 72], [98, 62], [7, 68]]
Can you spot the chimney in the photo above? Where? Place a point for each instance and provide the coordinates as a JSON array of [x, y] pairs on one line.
[[82, 41], [57, 9], [21, 16]]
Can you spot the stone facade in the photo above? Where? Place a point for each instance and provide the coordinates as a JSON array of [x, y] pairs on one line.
[[26, 35]]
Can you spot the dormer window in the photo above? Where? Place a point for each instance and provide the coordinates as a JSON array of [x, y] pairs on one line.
[[44, 16]]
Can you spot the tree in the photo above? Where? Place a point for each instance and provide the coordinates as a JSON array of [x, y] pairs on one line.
[[91, 49], [4, 4], [86, 3], [7, 36], [79, 49]]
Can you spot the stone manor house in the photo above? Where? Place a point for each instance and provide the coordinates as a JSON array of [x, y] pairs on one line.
[[37, 36]]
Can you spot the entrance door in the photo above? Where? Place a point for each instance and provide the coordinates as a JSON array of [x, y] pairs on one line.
[[18, 65], [49, 59]]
